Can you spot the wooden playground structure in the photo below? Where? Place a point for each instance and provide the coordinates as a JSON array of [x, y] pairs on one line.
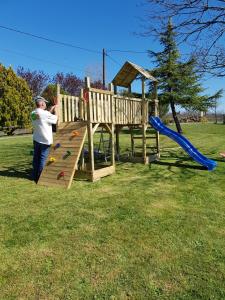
[[81, 117]]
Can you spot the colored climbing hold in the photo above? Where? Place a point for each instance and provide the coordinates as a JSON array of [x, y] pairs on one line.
[[68, 153], [62, 174], [57, 146], [75, 133], [52, 159]]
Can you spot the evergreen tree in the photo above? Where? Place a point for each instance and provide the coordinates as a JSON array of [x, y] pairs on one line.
[[15, 100], [178, 82]]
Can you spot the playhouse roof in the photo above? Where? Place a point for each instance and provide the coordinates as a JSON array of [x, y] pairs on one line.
[[128, 73]]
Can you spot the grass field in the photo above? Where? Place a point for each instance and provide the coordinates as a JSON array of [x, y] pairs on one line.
[[147, 232]]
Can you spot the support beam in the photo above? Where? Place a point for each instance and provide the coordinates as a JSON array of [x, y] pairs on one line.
[[118, 128], [59, 103], [144, 152], [91, 148], [112, 145], [95, 128], [107, 127]]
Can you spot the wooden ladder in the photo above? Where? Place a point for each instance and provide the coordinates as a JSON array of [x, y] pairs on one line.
[[64, 155]]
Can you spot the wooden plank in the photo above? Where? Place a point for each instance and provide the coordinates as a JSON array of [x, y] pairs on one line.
[[91, 148], [112, 104], [101, 91], [106, 108], [69, 109], [102, 109], [94, 110], [85, 110], [65, 109], [98, 114], [50, 175], [97, 174], [112, 145], [77, 116], [73, 108], [95, 128], [109, 109]]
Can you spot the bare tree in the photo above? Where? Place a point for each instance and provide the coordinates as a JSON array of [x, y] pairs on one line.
[[69, 82], [36, 80], [201, 23]]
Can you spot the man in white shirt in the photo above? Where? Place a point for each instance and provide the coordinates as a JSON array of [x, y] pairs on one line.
[[42, 121]]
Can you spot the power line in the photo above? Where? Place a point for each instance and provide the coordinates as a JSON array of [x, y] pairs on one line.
[[112, 59], [128, 51], [49, 40], [68, 44], [37, 59]]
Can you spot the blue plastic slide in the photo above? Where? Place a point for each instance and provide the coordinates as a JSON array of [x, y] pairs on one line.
[[183, 142]]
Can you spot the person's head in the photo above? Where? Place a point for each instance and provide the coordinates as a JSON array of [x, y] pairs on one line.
[[40, 102]]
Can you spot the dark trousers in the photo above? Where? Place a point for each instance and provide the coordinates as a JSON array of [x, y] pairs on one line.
[[39, 159]]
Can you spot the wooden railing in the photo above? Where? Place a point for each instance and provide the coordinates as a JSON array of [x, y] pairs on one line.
[[100, 106]]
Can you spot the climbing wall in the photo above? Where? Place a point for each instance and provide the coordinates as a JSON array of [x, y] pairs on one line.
[[64, 155]]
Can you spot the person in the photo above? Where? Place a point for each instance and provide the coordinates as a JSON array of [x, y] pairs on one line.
[[42, 121]]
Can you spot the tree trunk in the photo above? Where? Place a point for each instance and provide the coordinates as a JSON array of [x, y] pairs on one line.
[[176, 120]]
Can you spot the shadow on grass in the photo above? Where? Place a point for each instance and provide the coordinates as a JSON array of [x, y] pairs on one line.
[[179, 165], [17, 171]]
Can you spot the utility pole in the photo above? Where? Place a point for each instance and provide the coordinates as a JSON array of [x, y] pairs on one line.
[[103, 67]]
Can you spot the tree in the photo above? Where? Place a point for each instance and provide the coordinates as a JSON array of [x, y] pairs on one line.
[[178, 81], [97, 84], [70, 83], [15, 100], [36, 80], [50, 93], [199, 22]]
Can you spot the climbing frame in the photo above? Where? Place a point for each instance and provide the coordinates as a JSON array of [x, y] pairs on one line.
[[64, 155]]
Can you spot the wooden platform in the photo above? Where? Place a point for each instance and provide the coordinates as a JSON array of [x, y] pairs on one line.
[[64, 155]]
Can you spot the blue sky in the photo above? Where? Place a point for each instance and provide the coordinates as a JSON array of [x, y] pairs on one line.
[[88, 24]]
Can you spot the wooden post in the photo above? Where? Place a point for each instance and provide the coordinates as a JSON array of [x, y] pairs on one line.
[[129, 89], [111, 87], [144, 121], [81, 105], [156, 114], [144, 128], [90, 131], [117, 141], [59, 103], [132, 141], [91, 148], [112, 145], [87, 82]]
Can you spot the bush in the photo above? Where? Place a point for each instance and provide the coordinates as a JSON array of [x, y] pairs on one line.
[[15, 101]]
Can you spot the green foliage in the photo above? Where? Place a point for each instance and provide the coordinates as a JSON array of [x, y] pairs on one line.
[[179, 82], [50, 93], [15, 99]]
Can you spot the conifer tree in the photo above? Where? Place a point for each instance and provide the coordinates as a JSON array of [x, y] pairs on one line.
[[179, 83]]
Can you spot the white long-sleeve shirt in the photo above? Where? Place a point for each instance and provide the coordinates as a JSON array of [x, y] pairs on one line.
[[42, 126]]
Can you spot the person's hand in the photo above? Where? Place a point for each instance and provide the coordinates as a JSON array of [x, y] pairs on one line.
[[55, 100], [53, 108]]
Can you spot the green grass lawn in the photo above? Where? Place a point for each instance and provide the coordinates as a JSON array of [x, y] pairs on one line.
[[147, 232]]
